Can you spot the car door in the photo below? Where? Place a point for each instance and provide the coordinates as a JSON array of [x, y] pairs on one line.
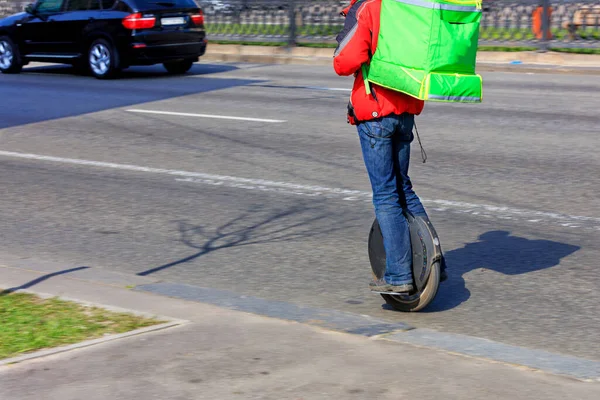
[[38, 31], [70, 24]]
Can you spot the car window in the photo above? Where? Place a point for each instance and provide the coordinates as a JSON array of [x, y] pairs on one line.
[[49, 6], [107, 4], [149, 4], [121, 6], [77, 5], [94, 5]]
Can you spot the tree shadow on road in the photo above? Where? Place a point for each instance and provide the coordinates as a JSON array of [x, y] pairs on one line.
[[497, 251], [257, 225], [40, 280]]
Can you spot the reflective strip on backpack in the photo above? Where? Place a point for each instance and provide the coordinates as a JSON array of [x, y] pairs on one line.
[[439, 6], [454, 98]]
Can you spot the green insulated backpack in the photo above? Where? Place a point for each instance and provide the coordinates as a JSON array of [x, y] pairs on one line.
[[427, 49]]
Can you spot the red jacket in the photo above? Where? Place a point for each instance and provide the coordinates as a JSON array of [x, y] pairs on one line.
[[357, 42]]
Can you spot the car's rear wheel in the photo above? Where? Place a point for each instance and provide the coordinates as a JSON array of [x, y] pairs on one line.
[[178, 67], [102, 59], [10, 60]]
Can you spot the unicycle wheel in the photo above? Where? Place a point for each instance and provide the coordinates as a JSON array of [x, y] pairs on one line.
[[425, 265], [416, 301]]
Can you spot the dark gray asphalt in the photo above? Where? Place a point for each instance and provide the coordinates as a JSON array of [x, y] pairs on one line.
[[512, 186]]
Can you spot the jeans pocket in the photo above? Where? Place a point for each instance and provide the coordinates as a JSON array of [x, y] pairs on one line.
[[377, 130]]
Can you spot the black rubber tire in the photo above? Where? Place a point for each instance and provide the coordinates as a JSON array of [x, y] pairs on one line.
[[413, 302], [113, 68], [417, 303], [178, 67], [16, 64]]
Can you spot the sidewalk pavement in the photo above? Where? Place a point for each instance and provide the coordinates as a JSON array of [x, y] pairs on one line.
[[218, 353], [487, 61]]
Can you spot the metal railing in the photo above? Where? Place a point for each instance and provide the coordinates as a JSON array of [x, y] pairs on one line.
[[542, 24], [539, 24]]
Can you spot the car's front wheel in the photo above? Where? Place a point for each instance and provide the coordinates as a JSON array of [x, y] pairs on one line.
[[10, 60], [102, 59], [178, 67]]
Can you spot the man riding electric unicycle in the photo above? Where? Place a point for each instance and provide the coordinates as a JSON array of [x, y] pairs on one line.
[[382, 44]]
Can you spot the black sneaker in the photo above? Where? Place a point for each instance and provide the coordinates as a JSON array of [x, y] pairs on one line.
[[381, 285]]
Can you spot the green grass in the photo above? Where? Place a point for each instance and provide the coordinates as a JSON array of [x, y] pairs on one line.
[[516, 34], [318, 45], [576, 51], [30, 323], [274, 44], [487, 33], [277, 30], [507, 34], [555, 49], [511, 49], [248, 43], [506, 48]]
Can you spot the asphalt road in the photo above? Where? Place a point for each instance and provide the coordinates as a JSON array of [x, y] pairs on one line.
[[277, 207]]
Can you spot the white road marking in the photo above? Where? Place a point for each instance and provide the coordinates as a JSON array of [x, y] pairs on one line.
[[329, 88], [180, 114], [438, 205]]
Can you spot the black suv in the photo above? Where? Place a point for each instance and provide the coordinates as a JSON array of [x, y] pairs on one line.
[[104, 36]]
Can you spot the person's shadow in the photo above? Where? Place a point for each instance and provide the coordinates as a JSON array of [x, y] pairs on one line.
[[500, 252]]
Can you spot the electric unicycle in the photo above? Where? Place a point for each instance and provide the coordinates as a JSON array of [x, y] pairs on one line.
[[427, 257]]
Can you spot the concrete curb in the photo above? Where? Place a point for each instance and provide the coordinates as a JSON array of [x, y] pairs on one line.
[[548, 62], [469, 346], [88, 343], [332, 320], [458, 344]]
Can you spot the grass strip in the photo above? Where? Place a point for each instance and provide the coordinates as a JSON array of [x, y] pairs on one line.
[[331, 30], [30, 323]]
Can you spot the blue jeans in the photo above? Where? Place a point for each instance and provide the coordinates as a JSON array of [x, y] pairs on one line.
[[385, 144]]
